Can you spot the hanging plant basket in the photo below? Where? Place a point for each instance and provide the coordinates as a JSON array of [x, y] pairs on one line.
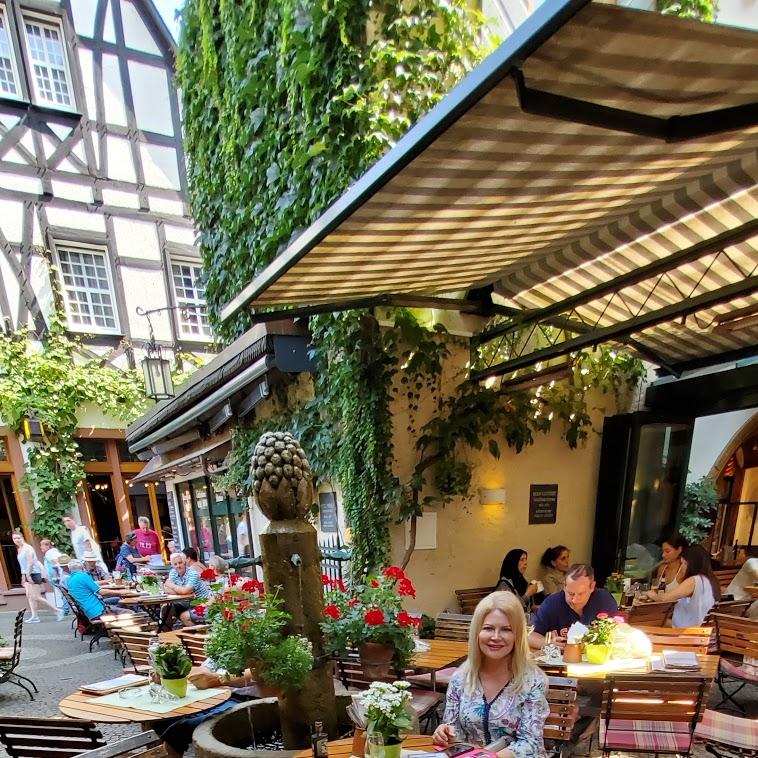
[[376, 659]]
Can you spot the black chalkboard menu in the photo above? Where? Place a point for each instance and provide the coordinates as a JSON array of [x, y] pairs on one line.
[[327, 508], [175, 530], [543, 503]]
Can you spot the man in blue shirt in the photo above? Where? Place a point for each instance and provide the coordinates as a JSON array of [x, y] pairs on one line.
[[581, 601], [87, 593]]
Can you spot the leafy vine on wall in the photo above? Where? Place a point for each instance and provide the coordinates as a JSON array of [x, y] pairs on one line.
[[50, 381]]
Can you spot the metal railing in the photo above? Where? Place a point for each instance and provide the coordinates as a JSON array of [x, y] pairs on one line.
[[335, 558]]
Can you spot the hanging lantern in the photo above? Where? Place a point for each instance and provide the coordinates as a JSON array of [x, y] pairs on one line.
[[157, 370], [33, 429]]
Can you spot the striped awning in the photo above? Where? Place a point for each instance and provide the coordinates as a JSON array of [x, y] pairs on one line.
[[595, 141]]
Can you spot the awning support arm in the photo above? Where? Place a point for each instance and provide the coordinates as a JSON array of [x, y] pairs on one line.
[[672, 129]]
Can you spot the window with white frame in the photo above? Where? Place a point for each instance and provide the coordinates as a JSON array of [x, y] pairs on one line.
[[9, 83], [47, 60], [189, 291], [87, 289]]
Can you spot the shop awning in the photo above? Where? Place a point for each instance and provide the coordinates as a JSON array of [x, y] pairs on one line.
[[602, 154]]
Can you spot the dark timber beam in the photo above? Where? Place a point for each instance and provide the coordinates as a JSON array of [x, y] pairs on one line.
[[689, 254], [625, 328]]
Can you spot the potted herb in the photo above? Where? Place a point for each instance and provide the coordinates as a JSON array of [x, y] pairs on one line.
[[598, 639], [615, 585], [369, 616], [173, 664], [387, 710], [284, 665]]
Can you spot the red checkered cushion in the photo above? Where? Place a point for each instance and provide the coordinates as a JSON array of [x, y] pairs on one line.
[[652, 736], [442, 678], [739, 670], [725, 729]]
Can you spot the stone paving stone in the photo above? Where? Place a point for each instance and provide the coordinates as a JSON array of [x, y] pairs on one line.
[[59, 664]]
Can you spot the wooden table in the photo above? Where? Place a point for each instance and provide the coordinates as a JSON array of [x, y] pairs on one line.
[[153, 604], [78, 706], [419, 743], [441, 655], [709, 665]]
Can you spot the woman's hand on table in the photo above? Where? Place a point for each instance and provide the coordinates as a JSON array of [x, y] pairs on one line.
[[444, 735]]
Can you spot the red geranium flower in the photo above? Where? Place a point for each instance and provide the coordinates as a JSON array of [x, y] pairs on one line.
[[244, 605], [405, 587], [405, 619], [326, 580], [254, 586], [208, 575], [374, 617], [340, 585], [333, 612], [394, 572], [200, 610], [352, 603], [234, 578], [602, 615], [229, 614], [374, 583]]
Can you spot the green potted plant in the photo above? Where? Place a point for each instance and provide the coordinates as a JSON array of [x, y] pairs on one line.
[[615, 585], [387, 711], [369, 616], [598, 639], [284, 665], [173, 664]]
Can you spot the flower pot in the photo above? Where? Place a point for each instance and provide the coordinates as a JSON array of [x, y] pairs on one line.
[[376, 659], [597, 653], [572, 653], [261, 688], [176, 687], [393, 751]]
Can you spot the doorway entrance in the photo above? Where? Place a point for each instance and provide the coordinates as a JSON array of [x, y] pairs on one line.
[[102, 505], [9, 520]]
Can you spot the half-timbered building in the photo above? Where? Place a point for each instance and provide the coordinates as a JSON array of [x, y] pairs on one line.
[[92, 201]]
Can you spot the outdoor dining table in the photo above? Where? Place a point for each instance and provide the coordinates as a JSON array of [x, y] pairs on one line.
[[153, 605], [414, 743], [441, 654], [85, 705], [709, 665]]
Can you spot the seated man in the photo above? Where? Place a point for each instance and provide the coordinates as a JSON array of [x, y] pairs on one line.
[[183, 580], [89, 596], [580, 600]]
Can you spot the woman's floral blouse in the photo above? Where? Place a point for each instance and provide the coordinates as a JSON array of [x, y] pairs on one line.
[[519, 717]]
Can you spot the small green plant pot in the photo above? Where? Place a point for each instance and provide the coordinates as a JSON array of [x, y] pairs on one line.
[[393, 751], [176, 687], [597, 653]]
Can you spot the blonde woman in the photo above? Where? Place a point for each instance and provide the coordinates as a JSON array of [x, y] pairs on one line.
[[31, 578], [498, 693]]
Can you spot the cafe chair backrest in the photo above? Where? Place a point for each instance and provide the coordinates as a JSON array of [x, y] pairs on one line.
[[194, 644], [135, 644], [650, 614], [736, 636], [48, 737], [561, 698], [729, 608], [725, 576], [693, 639], [468, 599], [452, 626], [145, 745]]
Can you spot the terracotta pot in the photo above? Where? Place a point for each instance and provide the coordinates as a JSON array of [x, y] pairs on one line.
[[597, 653], [176, 687], [376, 659], [572, 653], [262, 689], [359, 741]]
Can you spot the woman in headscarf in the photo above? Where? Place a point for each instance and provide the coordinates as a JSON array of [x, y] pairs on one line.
[[512, 577]]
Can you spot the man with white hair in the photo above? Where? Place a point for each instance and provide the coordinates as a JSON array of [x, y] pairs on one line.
[[148, 540], [185, 581]]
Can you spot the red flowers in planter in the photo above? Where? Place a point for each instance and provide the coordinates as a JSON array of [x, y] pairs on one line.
[[208, 575], [254, 586], [333, 612], [394, 572], [374, 617], [405, 619]]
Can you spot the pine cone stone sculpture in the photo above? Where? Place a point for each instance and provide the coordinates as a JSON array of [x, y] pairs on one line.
[[282, 479]]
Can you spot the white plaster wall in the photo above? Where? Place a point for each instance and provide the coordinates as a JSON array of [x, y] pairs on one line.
[[83, 12], [165, 206], [113, 93], [10, 286], [136, 35], [86, 67], [11, 219], [145, 288], [738, 13], [709, 438], [72, 191], [120, 164], [160, 166], [152, 105], [109, 31], [40, 281], [120, 198], [180, 234], [136, 239], [20, 183], [68, 218]]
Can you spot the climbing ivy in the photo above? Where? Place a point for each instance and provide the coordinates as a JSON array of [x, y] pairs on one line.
[[51, 381], [702, 10]]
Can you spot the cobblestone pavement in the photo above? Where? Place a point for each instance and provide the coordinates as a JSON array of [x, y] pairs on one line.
[[59, 664]]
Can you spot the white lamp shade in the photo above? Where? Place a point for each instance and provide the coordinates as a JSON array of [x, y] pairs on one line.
[[493, 496]]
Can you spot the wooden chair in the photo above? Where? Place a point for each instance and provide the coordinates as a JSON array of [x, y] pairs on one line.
[[737, 640], [452, 626], [725, 576], [559, 725], [651, 714], [194, 644], [128, 622], [145, 745], [135, 644], [728, 608], [48, 737], [83, 624], [469, 599], [727, 736], [692, 639], [423, 702], [650, 614], [10, 658]]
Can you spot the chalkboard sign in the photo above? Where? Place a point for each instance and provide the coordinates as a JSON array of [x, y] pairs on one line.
[[543, 503], [175, 530], [327, 508]]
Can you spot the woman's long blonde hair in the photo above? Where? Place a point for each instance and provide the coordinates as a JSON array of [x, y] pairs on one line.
[[521, 665]]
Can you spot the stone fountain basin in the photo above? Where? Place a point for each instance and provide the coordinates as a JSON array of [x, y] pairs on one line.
[[226, 735]]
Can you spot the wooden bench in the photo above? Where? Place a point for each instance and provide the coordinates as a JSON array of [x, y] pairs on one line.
[[725, 576], [48, 737], [452, 626], [468, 599]]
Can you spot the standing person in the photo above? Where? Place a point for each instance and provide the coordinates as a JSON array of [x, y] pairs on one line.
[[581, 600], [31, 577], [671, 569], [243, 537], [498, 693], [148, 541], [83, 541], [129, 556], [555, 563], [512, 577], [183, 580], [697, 592], [51, 557]]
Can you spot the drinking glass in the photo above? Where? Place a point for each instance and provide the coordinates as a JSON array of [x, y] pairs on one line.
[[375, 745], [550, 650]]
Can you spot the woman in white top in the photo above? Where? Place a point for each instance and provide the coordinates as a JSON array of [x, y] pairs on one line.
[[697, 592], [671, 568], [31, 577]]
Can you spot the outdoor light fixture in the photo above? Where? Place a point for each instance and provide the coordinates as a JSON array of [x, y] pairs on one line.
[[33, 429], [495, 496], [157, 370]]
